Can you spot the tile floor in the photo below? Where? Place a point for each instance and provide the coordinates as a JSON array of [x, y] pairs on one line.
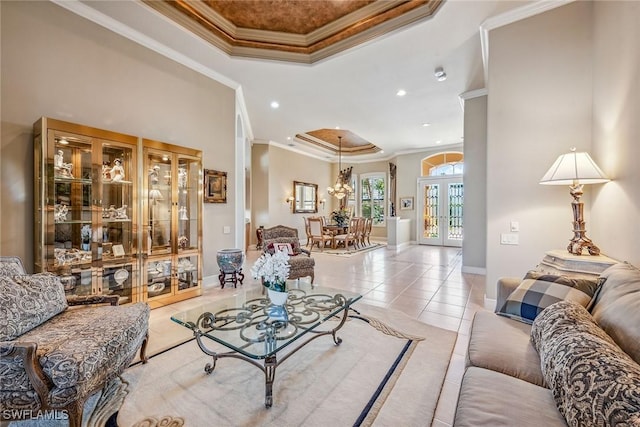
[[424, 282]]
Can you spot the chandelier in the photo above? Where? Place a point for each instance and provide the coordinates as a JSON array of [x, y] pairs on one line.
[[341, 189]]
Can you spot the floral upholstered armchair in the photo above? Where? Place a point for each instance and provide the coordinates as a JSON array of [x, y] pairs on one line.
[[53, 357], [300, 261]]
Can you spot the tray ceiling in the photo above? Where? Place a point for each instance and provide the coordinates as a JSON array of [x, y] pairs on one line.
[[303, 31]]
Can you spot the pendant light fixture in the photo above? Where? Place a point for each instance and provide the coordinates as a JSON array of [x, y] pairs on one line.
[[341, 189]]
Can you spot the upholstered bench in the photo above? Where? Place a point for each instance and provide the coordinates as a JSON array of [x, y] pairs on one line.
[[53, 357]]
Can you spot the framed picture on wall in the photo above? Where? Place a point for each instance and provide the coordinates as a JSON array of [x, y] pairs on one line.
[[406, 203], [215, 186]]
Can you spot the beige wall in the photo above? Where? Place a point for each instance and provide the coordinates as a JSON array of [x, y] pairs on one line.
[[273, 171], [567, 77], [615, 212], [57, 64], [475, 185], [539, 105]]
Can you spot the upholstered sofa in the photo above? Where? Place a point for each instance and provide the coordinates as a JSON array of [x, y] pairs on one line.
[[577, 364], [300, 261], [52, 356]]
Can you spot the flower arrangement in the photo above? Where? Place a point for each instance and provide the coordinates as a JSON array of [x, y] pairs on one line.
[[273, 269], [340, 216]]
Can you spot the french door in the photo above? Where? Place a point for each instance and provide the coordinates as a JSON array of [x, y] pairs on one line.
[[440, 207]]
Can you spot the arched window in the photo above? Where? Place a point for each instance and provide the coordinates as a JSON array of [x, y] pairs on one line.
[[446, 163]]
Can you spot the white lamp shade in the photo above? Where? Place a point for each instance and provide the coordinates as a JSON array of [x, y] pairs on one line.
[[573, 168]]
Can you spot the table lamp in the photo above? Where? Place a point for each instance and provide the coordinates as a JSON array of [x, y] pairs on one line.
[[576, 169]]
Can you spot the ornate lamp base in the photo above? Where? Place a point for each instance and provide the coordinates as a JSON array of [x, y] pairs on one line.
[[579, 241]]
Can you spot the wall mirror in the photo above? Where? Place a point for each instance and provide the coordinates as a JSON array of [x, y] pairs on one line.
[[305, 197]]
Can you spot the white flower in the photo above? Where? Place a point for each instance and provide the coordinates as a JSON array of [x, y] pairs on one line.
[[273, 269]]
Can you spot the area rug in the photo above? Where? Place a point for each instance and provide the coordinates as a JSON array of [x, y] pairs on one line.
[[351, 250], [388, 370]]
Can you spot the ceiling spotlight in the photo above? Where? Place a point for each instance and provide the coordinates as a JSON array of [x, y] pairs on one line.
[[275, 104], [426, 124], [401, 92], [440, 74]]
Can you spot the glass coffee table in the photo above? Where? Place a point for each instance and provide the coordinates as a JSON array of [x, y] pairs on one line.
[[241, 323]]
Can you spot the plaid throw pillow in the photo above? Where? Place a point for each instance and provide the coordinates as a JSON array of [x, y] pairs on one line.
[[538, 291]]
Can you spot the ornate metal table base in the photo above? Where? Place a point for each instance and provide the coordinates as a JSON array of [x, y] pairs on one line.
[[255, 328]]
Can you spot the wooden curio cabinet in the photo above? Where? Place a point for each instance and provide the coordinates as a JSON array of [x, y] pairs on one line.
[[85, 208], [172, 223], [107, 228]]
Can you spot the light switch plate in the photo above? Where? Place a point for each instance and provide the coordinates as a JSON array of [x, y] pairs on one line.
[[514, 226], [509, 239], [226, 229]]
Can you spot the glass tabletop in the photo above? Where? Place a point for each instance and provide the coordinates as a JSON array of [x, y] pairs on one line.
[[243, 324]]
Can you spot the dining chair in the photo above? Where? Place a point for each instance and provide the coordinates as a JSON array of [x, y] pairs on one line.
[[350, 236], [318, 234], [368, 224]]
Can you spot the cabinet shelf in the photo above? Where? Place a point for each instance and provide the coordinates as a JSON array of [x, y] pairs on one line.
[[63, 180]]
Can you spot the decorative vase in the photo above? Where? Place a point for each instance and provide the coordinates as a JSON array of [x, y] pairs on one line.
[[277, 309], [230, 260]]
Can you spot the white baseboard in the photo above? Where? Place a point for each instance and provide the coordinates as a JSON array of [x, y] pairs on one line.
[[209, 281], [474, 270]]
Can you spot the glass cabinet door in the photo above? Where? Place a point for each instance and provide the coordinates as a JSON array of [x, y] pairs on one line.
[[188, 207], [159, 202], [117, 203], [187, 272], [158, 277], [70, 203]]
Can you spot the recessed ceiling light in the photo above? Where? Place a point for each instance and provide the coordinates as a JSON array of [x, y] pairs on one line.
[[401, 92], [275, 104], [440, 74], [426, 124], [337, 127], [438, 142]]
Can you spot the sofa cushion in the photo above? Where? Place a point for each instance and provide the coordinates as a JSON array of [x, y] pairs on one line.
[[83, 347], [11, 266], [592, 380], [503, 345], [489, 398], [617, 307], [538, 291], [28, 301]]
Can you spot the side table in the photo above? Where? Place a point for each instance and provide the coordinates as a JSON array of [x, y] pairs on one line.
[[562, 262]]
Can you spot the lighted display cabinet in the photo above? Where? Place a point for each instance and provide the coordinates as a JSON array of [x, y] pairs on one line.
[[117, 214], [172, 223], [85, 208]]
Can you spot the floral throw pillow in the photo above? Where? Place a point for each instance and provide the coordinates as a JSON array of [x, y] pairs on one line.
[[594, 383]]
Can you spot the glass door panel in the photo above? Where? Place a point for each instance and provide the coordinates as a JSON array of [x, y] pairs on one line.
[[160, 201], [117, 207], [158, 277], [187, 272], [119, 280], [70, 201], [188, 206], [455, 203]]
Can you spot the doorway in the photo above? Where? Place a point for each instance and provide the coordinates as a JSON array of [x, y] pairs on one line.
[[440, 207]]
